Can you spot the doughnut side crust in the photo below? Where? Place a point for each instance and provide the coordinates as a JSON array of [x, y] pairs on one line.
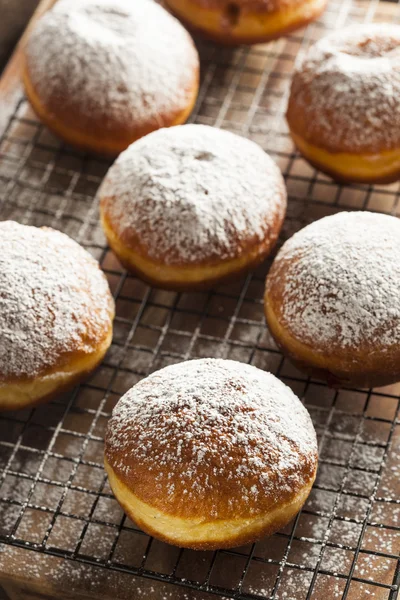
[[332, 303], [56, 314], [189, 206], [242, 22], [345, 368], [344, 99], [383, 167], [15, 395], [74, 128], [194, 276], [96, 73], [203, 534], [210, 453]]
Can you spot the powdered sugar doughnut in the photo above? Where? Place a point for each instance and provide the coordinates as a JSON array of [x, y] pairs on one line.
[[189, 206], [56, 314], [333, 299], [102, 73], [344, 106], [210, 454], [246, 21]]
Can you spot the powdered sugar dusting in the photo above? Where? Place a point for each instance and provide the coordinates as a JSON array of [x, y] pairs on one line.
[[116, 59], [348, 90], [54, 299], [341, 280], [200, 428], [194, 193]]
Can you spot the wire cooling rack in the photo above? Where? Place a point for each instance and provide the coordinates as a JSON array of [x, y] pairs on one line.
[[61, 530]]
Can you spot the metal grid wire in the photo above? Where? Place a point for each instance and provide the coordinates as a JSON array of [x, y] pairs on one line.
[[54, 496]]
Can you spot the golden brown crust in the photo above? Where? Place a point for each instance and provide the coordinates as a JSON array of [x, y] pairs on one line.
[[211, 440], [374, 177], [111, 98], [344, 95], [210, 454], [136, 476], [96, 132], [333, 308], [57, 313], [61, 362], [364, 369], [17, 395], [216, 534], [277, 15], [249, 246], [189, 206], [203, 275], [227, 39], [222, 542], [244, 6]]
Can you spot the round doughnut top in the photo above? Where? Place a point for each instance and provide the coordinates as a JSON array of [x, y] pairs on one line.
[[54, 301], [212, 437], [345, 94], [112, 60], [336, 283], [193, 194]]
